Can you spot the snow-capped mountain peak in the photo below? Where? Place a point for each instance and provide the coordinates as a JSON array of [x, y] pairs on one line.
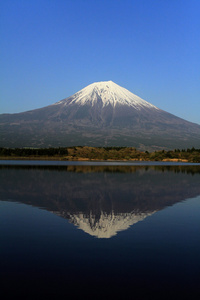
[[108, 93], [101, 114]]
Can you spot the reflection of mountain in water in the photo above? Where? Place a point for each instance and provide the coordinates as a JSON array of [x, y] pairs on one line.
[[106, 225], [100, 201]]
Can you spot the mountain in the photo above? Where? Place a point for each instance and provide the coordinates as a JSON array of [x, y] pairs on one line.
[[101, 114]]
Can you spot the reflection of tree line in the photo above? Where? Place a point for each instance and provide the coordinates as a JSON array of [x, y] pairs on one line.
[[188, 169]]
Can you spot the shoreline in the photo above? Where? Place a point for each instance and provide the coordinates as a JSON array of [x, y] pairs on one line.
[[110, 154], [52, 158]]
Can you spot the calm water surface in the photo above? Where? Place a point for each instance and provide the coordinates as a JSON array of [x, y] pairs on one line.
[[93, 231]]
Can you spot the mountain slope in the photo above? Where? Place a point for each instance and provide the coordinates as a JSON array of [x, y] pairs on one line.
[[101, 114]]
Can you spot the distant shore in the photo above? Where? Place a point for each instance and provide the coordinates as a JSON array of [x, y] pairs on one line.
[[81, 159], [85, 153]]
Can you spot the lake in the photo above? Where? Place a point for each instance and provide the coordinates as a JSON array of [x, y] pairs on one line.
[[99, 230]]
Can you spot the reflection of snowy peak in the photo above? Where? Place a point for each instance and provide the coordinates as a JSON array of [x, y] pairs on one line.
[[106, 225]]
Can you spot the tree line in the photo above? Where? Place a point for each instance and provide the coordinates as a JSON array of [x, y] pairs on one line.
[[26, 152], [102, 153]]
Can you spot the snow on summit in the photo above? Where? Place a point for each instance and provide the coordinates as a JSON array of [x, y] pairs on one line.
[[109, 93]]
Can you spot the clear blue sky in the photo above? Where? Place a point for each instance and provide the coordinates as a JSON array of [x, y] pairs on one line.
[[51, 49]]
